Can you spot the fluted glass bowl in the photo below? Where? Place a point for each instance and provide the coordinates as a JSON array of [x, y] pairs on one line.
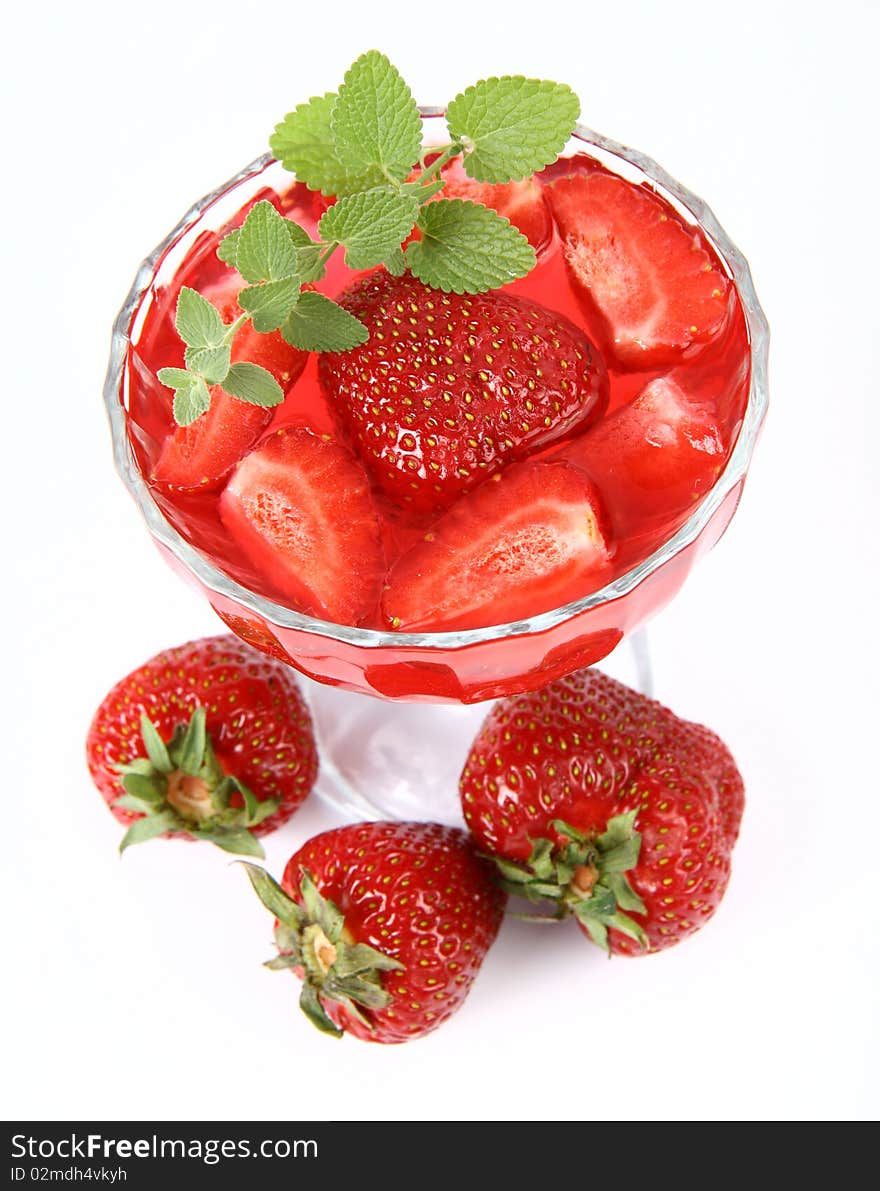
[[467, 666]]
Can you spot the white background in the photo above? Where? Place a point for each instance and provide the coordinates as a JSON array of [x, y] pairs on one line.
[[134, 989]]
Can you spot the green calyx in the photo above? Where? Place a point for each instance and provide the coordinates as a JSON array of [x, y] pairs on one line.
[[313, 938], [180, 787], [585, 876]]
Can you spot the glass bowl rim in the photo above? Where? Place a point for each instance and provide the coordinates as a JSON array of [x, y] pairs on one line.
[[285, 618]]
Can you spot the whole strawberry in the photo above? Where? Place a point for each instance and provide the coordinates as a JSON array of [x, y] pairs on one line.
[[449, 388], [210, 740], [386, 924], [604, 802]]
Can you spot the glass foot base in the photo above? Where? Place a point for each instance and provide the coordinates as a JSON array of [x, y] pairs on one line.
[[383, 760]]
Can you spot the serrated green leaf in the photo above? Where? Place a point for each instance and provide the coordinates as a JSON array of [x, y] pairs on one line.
[[191, 403], [467, 249], [319, 324], [237, 840], [269, 304], [149, 828], [198, 322], [265, 250], [512, 125], [157, 750], [273, 896], [299, 237], [253, 384], [262, 810], [309, 263], [228, 247], [210, 363], [395, 262], [363, 992], [375, 122], [369, 225], [175, 378], [303, 143]]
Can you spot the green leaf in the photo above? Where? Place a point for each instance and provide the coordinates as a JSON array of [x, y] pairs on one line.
[[375, 122], [597, 931], [628, 927], [624, 894], [467, 249], [265, 250], [364, 992], [251, 383], [228, 247], [130, 802], [282, 963], [273, 897], [175, 378], [622, 858], [311, 897], [299, 237], [618, 830], [320, 325], [370, 225], [192, 402], [599, 904], [310, 1003], [352, 959], [198, 322], [150, 790], [309, 263], [233, 839], [303, 143], [512, 126], [192, 748], [269, 304], [155, 745], [210, 363], [148, 828], [512, 871], [395, 262]]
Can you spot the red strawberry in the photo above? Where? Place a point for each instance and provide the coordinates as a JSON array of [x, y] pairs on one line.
[[655, 287], [201, 455], [653, 458], [210, 740], [449, 388], [387, 925], [301, 510], [603, 801], [528, 540]]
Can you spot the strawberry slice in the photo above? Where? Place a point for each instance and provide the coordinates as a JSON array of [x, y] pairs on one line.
[[527, 540], [201, 455], [301, 510], [651, 459], [634, 263]]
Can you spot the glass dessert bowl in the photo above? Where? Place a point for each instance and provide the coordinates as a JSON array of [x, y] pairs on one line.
[[470, 664]]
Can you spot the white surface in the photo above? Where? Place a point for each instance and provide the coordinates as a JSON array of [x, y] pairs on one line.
[[134, 989]]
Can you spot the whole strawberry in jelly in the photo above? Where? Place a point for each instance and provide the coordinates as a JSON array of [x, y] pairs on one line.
[[449, 388]]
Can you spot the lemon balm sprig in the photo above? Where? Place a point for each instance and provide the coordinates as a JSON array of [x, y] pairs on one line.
[[363, 145]]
